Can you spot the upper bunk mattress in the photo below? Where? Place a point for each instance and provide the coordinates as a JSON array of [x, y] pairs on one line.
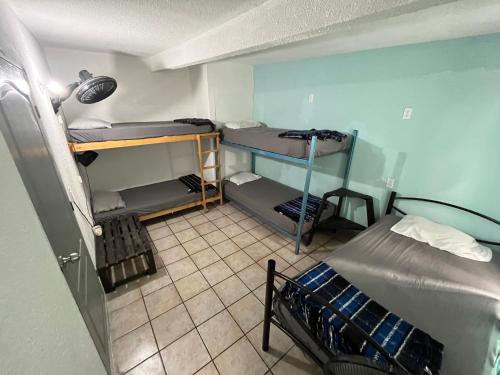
[[262, 195], [267, 139], [143, 200], [455, 300], [136, 130]]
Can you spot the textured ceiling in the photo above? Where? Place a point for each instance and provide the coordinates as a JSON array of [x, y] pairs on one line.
[[135, 27]]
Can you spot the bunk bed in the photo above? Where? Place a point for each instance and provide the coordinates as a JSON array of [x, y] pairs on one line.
[[166, 197], [261, 196]]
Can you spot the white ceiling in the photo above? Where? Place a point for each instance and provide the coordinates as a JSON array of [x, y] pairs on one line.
[[171, 34], [135, 27]]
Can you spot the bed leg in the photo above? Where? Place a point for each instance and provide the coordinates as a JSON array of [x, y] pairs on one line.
[[271, 266]]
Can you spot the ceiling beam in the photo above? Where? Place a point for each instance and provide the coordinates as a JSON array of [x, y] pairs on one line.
[[280, 22]]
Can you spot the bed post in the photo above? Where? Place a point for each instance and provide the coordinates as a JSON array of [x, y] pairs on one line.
[[252, 155], [305, 196], [271, 266], [202, 177]]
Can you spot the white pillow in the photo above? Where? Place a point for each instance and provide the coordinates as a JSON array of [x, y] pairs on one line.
[[88, 123], [243, 178], [106, 201], [442, 237], [243, 124]]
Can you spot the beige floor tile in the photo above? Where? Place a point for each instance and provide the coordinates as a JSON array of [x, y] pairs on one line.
[[260, 232], [166, 243], [219, 332], [279, 344], [257, 251], [253, 276], [208, 370], [205, 228], [156, 225], [205, 258], [151, 366], [179, 226], [186, 355], [215, 237], [222, 222], [128, 318], [171, 325], [197, 220], [238, 261], [288, 254], [248, 223], [274, 242], [173, 254], [247, 312], [186, 235], [295, 363], [174, 218], [161, 301], [217, 272], [154, 282], [321, 253], [227, 209], [191, 285], [161, 232], [181, 269], [204, 306], [232, 230], [241, 358], [226, 247], [231, 290], [281, 264], [213, 214], [192, 214], [305, 263], [193, 246], [260, 293], [244, 239], [119, 299], [291, 272], [133, 348], [238, 216]]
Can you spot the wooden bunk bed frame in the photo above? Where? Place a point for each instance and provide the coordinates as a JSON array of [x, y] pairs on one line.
[[198, 138]]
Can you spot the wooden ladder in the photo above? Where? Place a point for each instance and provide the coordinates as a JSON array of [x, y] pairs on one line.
[[217, 166]]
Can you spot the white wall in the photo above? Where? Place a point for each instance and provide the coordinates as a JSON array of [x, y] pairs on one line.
[[41, 329], [20, 45], [230, 92]]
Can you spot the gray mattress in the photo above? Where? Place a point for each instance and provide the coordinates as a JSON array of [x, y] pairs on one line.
[[261, 196], [136, 130], [267, 139], [455, 300], [147, 199]]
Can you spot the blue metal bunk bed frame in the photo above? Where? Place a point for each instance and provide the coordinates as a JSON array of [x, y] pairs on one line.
[[308, 164]]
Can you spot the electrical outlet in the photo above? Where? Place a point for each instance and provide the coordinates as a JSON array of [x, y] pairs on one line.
[[311, 98], [389, 183], [407, 113]]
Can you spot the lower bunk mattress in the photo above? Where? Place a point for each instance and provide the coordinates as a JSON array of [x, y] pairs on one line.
[[143, 200], [454, 300], [262, 195]]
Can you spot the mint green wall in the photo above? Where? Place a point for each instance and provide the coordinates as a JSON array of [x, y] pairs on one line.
[[449, 150]]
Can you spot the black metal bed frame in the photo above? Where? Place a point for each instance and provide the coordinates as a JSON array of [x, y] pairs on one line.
[[271, 289]]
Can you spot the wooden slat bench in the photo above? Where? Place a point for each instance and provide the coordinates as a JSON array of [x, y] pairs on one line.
[[124, 252]]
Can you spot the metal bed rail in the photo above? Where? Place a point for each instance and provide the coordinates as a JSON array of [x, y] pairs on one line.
[[308, 164]]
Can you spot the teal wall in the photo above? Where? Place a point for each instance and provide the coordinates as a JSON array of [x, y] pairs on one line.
[[449, 150]]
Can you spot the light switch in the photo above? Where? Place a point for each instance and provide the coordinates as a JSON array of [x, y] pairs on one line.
[[311, 98]]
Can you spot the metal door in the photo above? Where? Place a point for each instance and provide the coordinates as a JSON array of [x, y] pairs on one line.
[[21, 130]]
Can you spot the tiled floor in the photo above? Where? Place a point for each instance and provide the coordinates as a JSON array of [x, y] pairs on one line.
[[202, 312]]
